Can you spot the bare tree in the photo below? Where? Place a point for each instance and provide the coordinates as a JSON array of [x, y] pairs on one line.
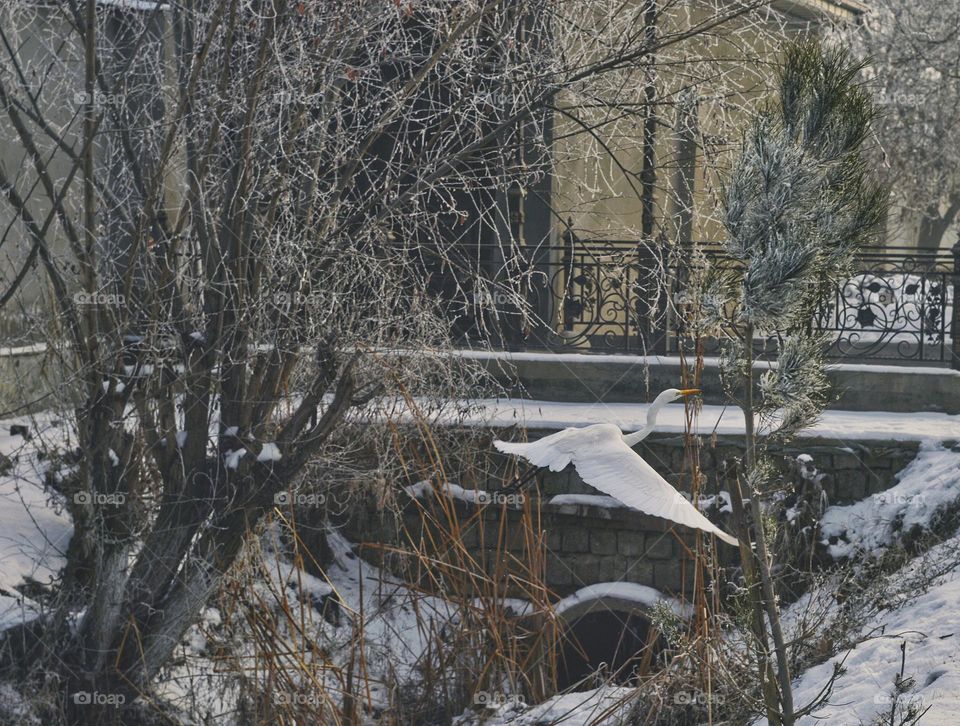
[[253, 222], [913, 57]]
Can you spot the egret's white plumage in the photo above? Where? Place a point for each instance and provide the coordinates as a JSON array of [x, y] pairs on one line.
[[602, 456]]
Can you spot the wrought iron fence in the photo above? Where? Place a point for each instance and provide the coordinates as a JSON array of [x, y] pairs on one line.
[[602, 295], [609, 296], [898, 305]]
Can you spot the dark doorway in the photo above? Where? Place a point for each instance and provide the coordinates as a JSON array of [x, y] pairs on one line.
[[623, 644]]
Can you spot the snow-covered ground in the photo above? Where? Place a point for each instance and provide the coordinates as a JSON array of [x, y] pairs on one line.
[[928, 623], [34, 532], [927, 485], [909, 611], [644, 361], [34, 529], [397, 625], [606, 706]]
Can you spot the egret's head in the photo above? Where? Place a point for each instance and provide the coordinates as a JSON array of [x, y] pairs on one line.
[[672, 394]]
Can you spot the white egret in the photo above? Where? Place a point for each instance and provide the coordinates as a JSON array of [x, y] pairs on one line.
[[603, 457]]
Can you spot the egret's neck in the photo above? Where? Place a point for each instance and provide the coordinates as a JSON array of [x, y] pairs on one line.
[[638, 436]]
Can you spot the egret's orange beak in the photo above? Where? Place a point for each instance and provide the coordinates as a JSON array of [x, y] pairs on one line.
[[689, 391]]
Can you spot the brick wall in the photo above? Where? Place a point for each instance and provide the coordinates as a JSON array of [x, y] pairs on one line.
[[586, 544]]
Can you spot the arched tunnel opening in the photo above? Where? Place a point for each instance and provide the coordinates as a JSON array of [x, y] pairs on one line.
[[621, 645]]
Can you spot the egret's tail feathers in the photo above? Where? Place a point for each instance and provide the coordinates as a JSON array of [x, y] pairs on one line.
[[507, 447], [544, 452]]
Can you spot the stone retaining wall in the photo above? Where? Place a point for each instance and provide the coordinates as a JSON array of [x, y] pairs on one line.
[[587, 544], [854, 470]]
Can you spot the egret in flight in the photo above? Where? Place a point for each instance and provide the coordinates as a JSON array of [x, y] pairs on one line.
[[604, 459]]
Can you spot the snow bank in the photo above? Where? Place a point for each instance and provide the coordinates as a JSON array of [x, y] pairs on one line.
[[929, 624], [34, 531], [927, 485], [399, 627], [587, 500], [600, 707], [665, 360]]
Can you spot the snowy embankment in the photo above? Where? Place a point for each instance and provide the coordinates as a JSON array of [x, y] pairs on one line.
[[928, 485], [34, 529], [34, 533], [397, 622], [913, 621], [927, 624], [607, 706]]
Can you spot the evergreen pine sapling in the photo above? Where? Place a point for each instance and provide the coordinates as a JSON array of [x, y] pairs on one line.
[[797, 206]]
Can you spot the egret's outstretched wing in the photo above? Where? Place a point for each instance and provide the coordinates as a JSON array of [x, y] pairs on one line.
[[615, 469], [554, 451]]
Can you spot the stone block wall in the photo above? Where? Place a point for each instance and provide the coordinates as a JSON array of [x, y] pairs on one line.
[[586, 544], [582, 544], [854, 470]]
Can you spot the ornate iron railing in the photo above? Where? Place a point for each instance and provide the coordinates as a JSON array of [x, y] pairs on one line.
[[602, 295], [611, 296], [898, 306]]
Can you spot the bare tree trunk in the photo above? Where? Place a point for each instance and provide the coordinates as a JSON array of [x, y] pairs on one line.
[[934, 224], [769, 594], [648, 173], [765, 672]]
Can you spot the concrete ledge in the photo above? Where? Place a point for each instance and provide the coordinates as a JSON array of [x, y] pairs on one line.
[[835, 426], [578, 377]]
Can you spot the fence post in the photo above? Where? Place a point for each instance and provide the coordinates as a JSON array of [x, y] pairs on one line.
[[955, 322], [566, 302]]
